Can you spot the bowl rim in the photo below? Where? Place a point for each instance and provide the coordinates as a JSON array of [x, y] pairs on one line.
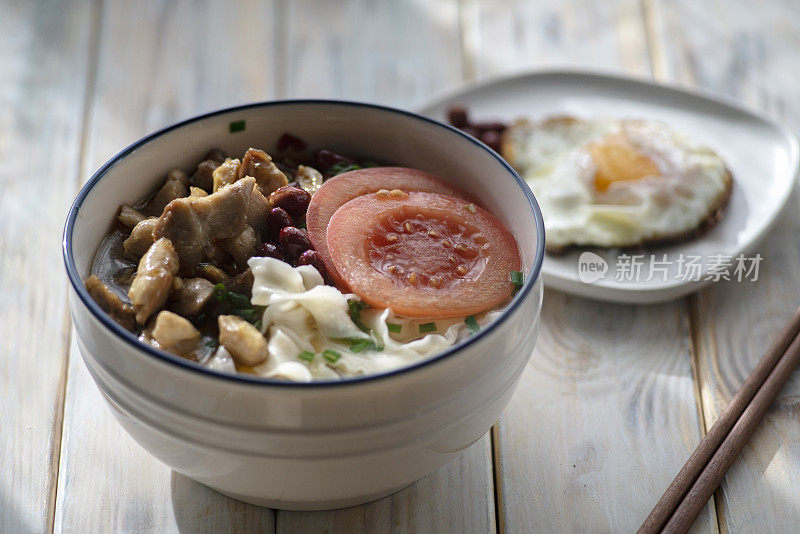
[[76, 281]]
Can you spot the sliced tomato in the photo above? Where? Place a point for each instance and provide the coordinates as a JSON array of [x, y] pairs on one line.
[[423, 254], [349, 185]]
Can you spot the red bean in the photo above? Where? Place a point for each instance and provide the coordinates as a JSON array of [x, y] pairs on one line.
[[290, 142], [457, 116], [292, 199], [482, 127], [469, 130], [269, 250], [312, 257], [294, 242], [325, 159], [278, 219], [492, 139]]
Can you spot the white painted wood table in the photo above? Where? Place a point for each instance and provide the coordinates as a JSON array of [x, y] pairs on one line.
[[615, 397]]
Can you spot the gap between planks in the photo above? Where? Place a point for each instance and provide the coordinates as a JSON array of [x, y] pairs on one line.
[[66, 330], [499, 518], [466, 25], [698, 352]]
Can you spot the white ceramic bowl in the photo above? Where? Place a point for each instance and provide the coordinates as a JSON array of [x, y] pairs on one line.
[[323, 444]]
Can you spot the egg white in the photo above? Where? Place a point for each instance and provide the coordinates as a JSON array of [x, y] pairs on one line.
[[554, 158]]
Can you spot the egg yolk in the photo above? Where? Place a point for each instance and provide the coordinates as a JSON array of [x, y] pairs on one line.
[[616, 159]]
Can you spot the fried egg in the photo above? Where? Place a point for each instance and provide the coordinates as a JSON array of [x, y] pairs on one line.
[[617, 182]]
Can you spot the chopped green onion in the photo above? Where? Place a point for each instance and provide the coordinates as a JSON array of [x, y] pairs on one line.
[[360, 345], [220, 292], [517, 278], [237, 126], [424, 328], [394, 328], [240, 304], [251, 315], [259, 325], [331, 355], [306, 355], [472, 324], [471, 208], [212, 343], [238, 300], [341, 167], [355, 307]]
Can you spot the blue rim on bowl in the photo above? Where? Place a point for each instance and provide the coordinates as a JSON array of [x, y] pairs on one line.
[[77, 282]]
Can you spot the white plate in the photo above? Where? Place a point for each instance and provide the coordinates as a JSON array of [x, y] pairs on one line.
[[762, 156]]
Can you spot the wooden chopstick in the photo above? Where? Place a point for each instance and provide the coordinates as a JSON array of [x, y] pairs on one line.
[[705, 468], [714, 472]]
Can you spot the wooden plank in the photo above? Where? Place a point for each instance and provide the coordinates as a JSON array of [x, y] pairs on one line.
[[750, 55], [457, 498], [606, 412], [503, 37], [158, 62], [405, 52], [396, 53], [43, 63]]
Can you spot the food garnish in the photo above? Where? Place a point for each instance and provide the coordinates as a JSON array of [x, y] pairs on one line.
[[422, 256], [472, 324], [306, 355], [394, 328], [331, 355], [237, 126], [424, 328]]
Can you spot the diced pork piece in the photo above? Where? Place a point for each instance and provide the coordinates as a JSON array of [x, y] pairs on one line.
[[308, 178], [196, 192], [203, 177], [216, 255], [242, 340], [175, 334], [175, 186], [258, 164], [212, 273], [179, 175], [217, 155], [225, 211], [192, 297], [129, 217], [242, 283], [110, 303], [185, 229], [227, 173], [151, 286], [192, 224], [242, 247], [257, 209], [141, 239]]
